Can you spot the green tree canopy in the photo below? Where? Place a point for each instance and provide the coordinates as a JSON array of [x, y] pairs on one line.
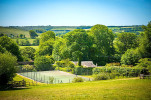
[[130, 57], [78, 44], [7, 67], [44, 62], [28, 53], [125, 41], [46, 48], [145, 42], [21, 36], [10, 46], [36, 41], [24, 42], [46, 36], [60, 50], [103, 44], [33, 34]]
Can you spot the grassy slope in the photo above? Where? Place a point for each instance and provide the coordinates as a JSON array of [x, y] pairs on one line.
[[14, 31], [20, 78], [132, 89]]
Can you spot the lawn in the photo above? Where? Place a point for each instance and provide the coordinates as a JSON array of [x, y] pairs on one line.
[[126, 89]]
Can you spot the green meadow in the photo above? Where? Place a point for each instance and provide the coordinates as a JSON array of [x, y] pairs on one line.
[[117, 89], [8, 31], [35, 47], [29, 39]]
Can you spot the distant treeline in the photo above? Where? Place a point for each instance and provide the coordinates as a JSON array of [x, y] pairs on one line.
[[61, 30]]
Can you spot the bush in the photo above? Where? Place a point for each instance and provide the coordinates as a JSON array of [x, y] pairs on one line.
[[28, 67], [7, 67], [77, 79], [44, 63], [65, 63], [112, 75], [9, 45], [130, 57], [120, 71], [28, 53], [101, 76], [66, 69], [24, 42], [112, 64], [78, 70]]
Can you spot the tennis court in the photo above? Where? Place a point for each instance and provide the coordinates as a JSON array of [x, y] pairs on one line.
[[46, 76]]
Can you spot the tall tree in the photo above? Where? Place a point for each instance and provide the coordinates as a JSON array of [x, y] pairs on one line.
[[46, 36], [60, 50], [103, 44], [21, 36], [46, 48], [78, 44], [10, 46], [33, 34], [125, 41], [28, 53], [7, 67], [145, 42]]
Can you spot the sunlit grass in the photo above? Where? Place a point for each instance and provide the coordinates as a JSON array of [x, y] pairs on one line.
[[13, 31], [20, 78], [130, 89], [35, 47]]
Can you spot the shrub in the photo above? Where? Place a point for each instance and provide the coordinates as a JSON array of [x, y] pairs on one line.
[[44, 63], [9, 45], [7, 67], [28, 53], [78, 70], [101, 76], [112, 75], [65, 63], [120, 71], [130, 57], [112, 64], [77, 79], [28, 67]]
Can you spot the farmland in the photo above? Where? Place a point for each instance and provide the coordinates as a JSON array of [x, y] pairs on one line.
[[14, 31], [126, 89]]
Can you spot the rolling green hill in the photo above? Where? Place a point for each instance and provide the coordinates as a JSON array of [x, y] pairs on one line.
[[14, 31], [59, 30]]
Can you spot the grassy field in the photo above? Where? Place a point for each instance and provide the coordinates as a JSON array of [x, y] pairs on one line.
[[13, 31], [35, 47], [30, 40], [119, 89]]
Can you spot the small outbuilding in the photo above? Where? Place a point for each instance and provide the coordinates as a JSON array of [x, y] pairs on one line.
[[85, 63]]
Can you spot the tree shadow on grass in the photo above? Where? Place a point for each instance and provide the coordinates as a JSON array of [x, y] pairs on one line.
[[4, 88]]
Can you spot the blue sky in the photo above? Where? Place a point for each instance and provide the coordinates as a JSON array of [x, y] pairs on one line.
[[74, 12]]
